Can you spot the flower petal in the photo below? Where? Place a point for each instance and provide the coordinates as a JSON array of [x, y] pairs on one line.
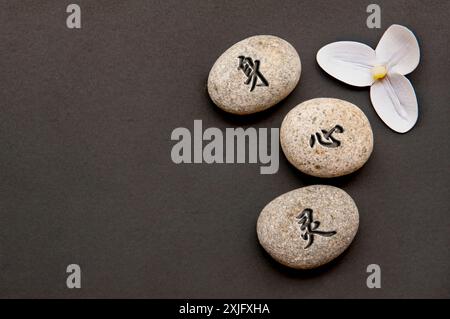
[[395, 102], [350, 62], [399, 49]]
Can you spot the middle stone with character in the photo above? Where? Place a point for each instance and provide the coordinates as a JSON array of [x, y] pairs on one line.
[[326, 137]]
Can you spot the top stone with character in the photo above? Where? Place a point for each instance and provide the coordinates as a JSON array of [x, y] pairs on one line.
[[254, 74]]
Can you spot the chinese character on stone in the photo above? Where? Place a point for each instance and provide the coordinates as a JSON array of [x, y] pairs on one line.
[[252, 72], [309, 226], [326, 138]]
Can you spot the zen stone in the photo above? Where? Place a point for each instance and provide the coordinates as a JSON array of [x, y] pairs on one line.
[[254, 74], [308, 227], [326, 137]]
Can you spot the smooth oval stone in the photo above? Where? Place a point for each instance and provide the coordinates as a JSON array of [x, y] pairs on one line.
[[326, 137], [308, 227], [254, 74]]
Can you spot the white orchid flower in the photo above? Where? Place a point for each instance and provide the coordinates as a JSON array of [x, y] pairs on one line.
[[383, 69]]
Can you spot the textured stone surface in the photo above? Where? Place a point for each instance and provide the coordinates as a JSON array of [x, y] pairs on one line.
[[305, 143], [279, 65], [279, 227]]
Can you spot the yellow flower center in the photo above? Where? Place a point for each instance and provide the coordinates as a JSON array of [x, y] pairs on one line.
[[379, 72]]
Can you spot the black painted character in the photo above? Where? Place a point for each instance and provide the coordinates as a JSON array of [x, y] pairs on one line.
[[309, 227], [251, 70], [326, 138]]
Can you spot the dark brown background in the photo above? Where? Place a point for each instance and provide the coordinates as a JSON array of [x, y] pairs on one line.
[[86, 175]]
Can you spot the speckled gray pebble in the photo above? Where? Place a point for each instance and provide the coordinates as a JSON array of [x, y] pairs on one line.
[[308, 227], [326, 137], [254, 74]]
